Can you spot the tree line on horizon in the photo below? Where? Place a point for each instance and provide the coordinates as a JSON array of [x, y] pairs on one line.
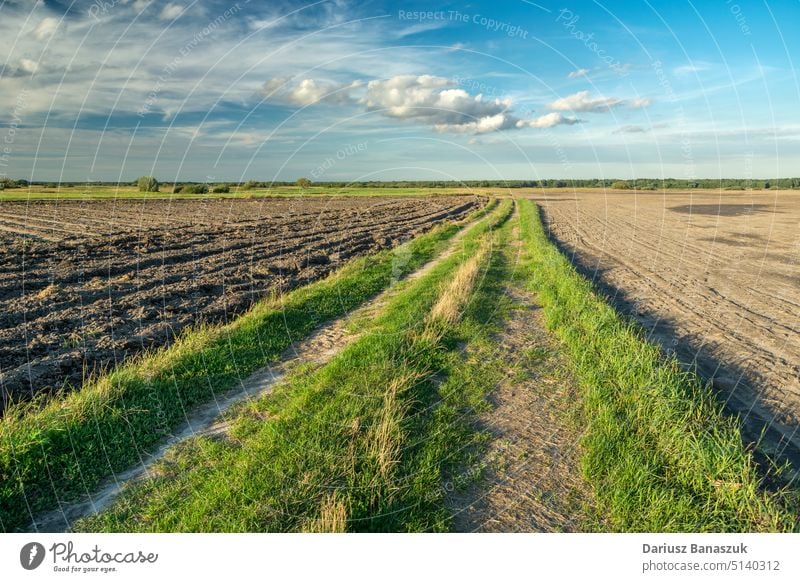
[[149, 183]]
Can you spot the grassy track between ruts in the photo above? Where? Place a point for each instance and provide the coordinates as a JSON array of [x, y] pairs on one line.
[[360, 443], [659, 452], [64, 449]]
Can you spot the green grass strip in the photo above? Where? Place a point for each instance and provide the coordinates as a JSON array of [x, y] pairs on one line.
[[361, 443], [67, 447], [659, 451]]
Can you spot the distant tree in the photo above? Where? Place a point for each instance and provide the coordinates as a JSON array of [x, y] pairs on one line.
[[304, 183], [176, 189], [221, 189], [766, 185], [619, 185], [147, 184], [250, 185], [196, 189]]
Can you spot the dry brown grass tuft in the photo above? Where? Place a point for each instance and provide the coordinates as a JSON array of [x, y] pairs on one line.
[[332, 516], [454, 297], [385, 437], [48, 291]]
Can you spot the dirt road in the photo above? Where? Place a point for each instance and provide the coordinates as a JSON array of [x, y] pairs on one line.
[[530, 476], [714, 276]]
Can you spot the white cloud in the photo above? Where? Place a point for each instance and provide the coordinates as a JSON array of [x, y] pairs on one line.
[[274, 85], [548, 120], [581, 101], [639, 103], [140, 5], [486, 124], [28, 66], [308, 91], [435, 100], [171, 11], [579, 73], [46, 28], [424, 99]]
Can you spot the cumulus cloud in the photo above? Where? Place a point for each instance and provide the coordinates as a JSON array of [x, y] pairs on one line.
[[579, 73], [171, 11], [436, 101], [309, 91], [46, 28], [581, 101], [425, 99]]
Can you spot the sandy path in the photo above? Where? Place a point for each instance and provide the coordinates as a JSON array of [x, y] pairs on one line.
[[530, 474], [209, 419], [712, 275]]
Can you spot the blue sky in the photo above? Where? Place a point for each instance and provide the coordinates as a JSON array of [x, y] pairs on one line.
[[337, 90]]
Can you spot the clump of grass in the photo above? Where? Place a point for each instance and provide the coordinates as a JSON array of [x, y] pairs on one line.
[[385, 436], [660, 453], [73, 340], [49, 291], [447, 309], [332, 516]]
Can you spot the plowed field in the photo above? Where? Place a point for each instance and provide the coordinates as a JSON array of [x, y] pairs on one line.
[[85, 285]]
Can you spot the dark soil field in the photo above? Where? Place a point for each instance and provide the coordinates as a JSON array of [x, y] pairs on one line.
[[85, 285]]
